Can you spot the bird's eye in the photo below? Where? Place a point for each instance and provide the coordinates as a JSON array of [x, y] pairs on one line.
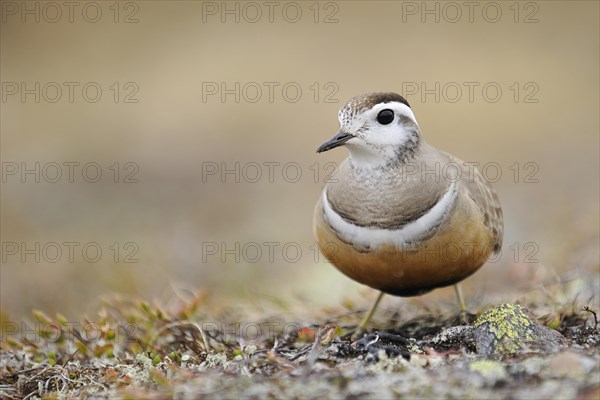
[[385, 116]]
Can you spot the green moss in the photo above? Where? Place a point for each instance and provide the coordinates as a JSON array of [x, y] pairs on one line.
[[175, 356]]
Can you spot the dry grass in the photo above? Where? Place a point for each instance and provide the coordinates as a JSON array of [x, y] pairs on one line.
[[132, 349]]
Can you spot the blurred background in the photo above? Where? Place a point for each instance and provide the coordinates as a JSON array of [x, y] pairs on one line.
[[155, 147]]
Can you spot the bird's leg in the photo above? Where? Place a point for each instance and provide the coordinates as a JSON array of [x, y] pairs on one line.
[[392, 344], [461, 303], [367, 317]]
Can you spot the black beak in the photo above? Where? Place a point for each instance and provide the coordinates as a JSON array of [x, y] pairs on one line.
[[337, 140]]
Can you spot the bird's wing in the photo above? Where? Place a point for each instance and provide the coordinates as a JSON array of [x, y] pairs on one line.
[[484, 195]]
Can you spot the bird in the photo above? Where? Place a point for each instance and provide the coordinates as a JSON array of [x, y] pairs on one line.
[[400, 215]]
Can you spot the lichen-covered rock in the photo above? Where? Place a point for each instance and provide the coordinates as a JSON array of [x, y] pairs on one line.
[[509, 329], [491, 371]]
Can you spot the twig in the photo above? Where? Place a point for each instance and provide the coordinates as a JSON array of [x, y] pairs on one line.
[[300, 353], [70, 358], [25, 371], [586, 308], [313, 354]]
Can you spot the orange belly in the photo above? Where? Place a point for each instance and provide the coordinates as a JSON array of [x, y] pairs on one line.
[[460, 247]]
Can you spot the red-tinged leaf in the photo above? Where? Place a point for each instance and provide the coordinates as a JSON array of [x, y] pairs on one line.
[[306, 334]]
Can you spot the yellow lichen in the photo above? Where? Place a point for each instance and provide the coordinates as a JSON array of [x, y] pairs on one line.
[[510, 325], [488, 369]]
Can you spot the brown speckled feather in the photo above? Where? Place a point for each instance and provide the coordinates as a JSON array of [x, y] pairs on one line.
[[484, 195]]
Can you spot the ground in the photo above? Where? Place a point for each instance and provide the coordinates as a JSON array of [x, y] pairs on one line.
[[132, 349]]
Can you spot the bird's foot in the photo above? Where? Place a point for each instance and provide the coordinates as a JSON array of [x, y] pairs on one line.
[[357, 334], [466, 318]]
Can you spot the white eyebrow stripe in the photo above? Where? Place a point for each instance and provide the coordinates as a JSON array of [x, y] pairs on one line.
[[409, 234], [345, 116], [402, 109]]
